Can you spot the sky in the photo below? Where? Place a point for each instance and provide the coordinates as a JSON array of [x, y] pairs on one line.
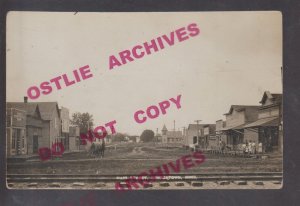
[[235, 58]]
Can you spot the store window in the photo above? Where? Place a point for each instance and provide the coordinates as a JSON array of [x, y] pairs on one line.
[[14, 139], [23, 138], [194, 140]]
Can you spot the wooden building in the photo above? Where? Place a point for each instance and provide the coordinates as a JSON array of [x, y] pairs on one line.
[[267, 129], [193, 134], [237, 117], [15, 130], [31, 125], [31, 135], [52, 123]]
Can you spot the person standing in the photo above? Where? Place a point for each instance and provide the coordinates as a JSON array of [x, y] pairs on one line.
[[244, 148], [254, 147], [223, 147], [260, 148], [102, 148], [247, 147]]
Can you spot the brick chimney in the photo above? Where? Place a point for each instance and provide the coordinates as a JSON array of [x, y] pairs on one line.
[[25, 99]]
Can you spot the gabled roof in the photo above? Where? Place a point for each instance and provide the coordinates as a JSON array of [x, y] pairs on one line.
[[30, 109], [240, 108], [164, 128], [275, 97], [47, 108]]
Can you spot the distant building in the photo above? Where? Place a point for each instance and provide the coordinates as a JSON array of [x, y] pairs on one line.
[[133, 138], [171, 136], [193, 134]]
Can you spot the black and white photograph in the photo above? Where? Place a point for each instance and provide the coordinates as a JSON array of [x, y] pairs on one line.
[[144, 100]]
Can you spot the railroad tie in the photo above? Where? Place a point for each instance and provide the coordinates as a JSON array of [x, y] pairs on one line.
[[258, 183], [54, 184], [100, 184], [164, 184], [179, 184], [223, 182], [33, 184], [240, 182], [197, 184]]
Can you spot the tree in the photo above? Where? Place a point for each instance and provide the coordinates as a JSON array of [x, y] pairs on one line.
[[83, 120], [118, 137], [147, 135]]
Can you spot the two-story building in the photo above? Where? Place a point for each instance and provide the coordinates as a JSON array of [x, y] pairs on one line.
[[52, 124], [32, 135], [15, 129], [237, 117], [33, 125], [267, 129]]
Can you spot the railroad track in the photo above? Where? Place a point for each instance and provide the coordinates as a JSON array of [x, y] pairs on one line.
[[108, 181]]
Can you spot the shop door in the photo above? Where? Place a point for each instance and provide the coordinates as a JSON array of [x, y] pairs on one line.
[[35, 144]]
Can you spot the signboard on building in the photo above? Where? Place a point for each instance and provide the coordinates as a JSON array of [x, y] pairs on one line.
[[15, 117], [206, 130]]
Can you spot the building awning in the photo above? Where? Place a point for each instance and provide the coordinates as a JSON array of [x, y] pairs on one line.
[[265, 122], [233, 127]]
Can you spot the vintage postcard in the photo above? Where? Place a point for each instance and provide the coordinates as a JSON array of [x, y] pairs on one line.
[[144, 101]]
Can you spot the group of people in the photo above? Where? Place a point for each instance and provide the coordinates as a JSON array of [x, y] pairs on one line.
[[251, 147], [97, 149]]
